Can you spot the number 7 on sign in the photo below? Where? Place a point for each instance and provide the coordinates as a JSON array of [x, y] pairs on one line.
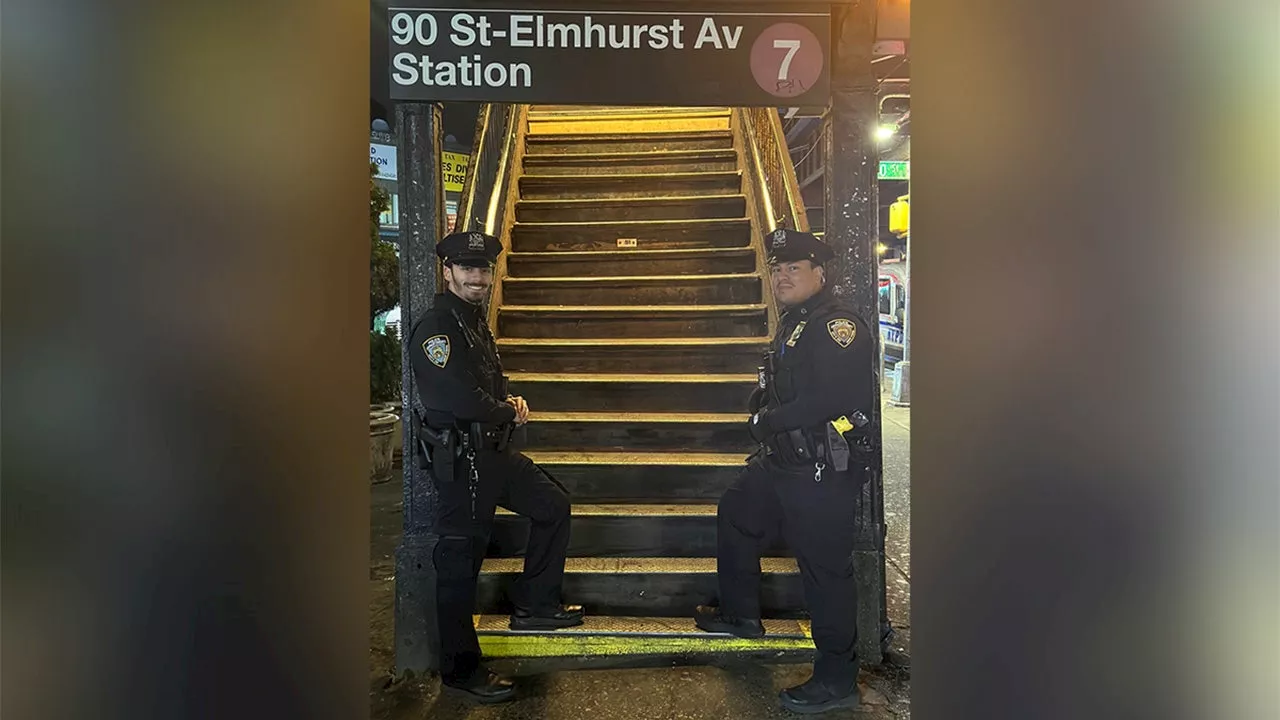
[[793, 47]]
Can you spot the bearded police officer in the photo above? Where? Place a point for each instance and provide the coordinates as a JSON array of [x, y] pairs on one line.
[[814, 399], [465, 441]]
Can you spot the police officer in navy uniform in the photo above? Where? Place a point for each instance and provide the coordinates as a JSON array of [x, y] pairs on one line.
[[466, 432], [814, 399]]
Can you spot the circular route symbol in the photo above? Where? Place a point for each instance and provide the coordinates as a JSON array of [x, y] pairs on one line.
[[786, 59]]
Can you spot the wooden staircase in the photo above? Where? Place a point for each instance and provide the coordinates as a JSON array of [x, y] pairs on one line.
[[632, 314]]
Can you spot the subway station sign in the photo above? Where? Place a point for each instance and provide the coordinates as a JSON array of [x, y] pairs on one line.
[[685, 57]]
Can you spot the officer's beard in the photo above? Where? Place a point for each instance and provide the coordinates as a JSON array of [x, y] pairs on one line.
[[472, 290]]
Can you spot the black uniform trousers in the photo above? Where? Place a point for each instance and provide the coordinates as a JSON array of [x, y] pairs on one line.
[[509, 479], [816, 519]]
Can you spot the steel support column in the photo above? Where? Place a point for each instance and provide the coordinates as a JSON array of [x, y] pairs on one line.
[[422, 219], [852, 229]]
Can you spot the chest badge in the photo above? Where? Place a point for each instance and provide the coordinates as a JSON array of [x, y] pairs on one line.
[[437, 349], [842, 331], [795, 334]]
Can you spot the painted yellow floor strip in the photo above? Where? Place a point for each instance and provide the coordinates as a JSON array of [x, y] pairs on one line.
[[613, 645]]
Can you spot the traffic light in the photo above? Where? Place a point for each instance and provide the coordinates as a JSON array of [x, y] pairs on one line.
[[900, 216]]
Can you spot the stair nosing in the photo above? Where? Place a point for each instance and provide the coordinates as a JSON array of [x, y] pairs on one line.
[[635, 176], [602, 279], [632, 309], [658, 221], [639, 565], [639, 135], [596, 254], [671, 418], [775, 629], [633, 342], [634, 510], [637, 155], [635, 378], [652, 200], [648, 459]]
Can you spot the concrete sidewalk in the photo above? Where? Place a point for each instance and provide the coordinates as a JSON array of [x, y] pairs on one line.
[[724, 690]]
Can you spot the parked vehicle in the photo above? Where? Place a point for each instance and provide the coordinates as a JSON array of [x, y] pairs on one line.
[[893, 307]]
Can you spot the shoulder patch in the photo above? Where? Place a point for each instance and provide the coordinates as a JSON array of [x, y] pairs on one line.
[[437, 349], [843, 331]]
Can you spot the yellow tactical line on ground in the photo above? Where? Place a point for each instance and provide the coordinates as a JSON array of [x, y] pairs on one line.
[[615, 645]]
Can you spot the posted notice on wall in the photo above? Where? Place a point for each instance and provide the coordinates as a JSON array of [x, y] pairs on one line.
[[453, 168], [384, 156], [691, 58]]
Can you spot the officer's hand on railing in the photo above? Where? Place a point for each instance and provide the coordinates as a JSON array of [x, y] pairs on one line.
[[522, 409], [759, 427]]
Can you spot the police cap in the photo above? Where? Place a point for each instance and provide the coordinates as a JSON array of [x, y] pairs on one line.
[[786, 245], [469, 249]]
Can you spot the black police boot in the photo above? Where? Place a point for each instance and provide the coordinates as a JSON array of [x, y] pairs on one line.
[[813, 697], [712, 620], [562, 617], [485, 687]]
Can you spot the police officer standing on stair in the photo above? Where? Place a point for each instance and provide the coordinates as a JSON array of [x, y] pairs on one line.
[[465, 441], [814, 398]]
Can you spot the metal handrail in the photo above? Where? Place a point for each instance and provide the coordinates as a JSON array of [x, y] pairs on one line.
[[482, 187], [775, 176]]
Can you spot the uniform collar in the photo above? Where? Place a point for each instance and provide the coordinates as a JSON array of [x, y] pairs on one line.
[[807, 308], [464, 308]]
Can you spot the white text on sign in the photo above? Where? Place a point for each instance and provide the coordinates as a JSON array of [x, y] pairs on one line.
[[425, 29]]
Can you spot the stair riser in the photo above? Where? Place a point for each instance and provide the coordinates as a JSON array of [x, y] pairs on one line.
[[562, 325], [604, 165], [607, 210], [635, 265], [549, 144], [692, 360], [617, 536], [646, 595], [647, 187], [636, 397], [691, 291], [643, 483], [647, 237], [625, 125], [640, 436]]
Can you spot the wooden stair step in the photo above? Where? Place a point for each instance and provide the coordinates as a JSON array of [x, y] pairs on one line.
[[674, 207], [624, 263], [625, 530], [630, 185], [682, 139], [637, 393], [631, 235], [628, 476], [652, 355], [727, 289], [618, 321], [645, 586]]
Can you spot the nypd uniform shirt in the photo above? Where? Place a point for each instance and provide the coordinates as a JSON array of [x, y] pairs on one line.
[[823, 353], [456, 364]]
